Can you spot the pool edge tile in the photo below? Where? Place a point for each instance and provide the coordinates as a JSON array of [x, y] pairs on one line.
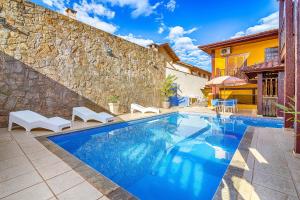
[[104, 185], [235, 177]]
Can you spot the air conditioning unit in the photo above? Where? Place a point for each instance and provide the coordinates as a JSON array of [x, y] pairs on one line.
[[225, 51]]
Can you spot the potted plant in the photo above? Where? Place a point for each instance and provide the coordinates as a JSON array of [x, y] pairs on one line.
[[167, 90], [113, 104]]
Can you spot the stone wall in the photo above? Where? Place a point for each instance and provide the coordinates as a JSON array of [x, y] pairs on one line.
[[74, 56], [24, 88]]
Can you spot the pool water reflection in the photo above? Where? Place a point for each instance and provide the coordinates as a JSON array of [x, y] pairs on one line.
[[175, 156]]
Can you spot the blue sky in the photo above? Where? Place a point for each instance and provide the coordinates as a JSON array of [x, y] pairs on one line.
[[184, 24]]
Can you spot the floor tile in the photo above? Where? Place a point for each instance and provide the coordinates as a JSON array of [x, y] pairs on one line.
[[273, 169], [293, 162], [33, 148], [39, 155], [5, 138], [104, 198], [296, 177], [277, 183], [13, 162], [45, 161], [15, 171], [19, 183], [263, 193], [54, 170], [80, 192], [9, 151], [64, 181], [36, 192]]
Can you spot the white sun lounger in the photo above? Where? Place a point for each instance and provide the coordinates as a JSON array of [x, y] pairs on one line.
[[29, 120], [143, 109], [86, 114]]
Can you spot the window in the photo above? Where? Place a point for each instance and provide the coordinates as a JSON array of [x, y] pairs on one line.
[[271, 54], [234, 63]]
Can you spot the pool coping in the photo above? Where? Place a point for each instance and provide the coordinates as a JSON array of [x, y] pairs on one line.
[[103, 184], [233, 171], [112, 190]]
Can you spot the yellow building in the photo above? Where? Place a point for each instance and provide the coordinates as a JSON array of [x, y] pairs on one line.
[[232, 57]]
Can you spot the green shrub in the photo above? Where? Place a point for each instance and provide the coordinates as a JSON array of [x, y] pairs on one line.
[[113, 99], [290, 109], [167, 89]]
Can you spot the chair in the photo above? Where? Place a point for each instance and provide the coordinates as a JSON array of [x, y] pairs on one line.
[[229, 104], [30, 120], [215, 103], [143, 109], [87, 114], [235, 105]]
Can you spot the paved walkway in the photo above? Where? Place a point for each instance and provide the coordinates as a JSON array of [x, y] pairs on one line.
[[263, 168], [29, 171]]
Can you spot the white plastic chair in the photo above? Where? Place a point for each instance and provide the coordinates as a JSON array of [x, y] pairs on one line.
[[87, 114], [30, 120], [143, 109]]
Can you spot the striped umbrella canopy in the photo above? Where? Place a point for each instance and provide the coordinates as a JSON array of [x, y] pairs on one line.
[[226, 81]]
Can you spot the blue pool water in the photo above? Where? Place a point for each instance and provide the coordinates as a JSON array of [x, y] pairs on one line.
[[174, 156]]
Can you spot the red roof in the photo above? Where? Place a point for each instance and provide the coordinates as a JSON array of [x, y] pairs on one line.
[[270, 66], [262, 36]]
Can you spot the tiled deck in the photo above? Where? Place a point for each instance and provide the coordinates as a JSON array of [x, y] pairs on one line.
[[262, 168]]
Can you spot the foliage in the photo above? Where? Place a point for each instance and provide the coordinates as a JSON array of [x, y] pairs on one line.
[[290, 109], [167, 89], [113, 99]]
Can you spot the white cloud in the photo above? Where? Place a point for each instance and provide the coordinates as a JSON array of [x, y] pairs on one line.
[[162, 27], [160, 30], [89, 13], [94, 9], [171, 5], [57, 4], [48, 2], [186, 49], [178, 31], [95, 22], [137, 40], [140, 7], [264, 24]]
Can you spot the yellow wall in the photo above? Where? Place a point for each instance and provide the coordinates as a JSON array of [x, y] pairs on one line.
[[255, 54], [255, 50]]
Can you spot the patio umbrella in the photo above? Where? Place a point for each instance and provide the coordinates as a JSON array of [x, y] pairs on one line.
[[223, 81]]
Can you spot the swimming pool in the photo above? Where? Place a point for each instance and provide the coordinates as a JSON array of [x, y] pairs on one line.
[[173, 156]]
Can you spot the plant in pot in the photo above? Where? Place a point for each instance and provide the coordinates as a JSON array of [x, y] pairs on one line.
[[167, 90], [113, 104]]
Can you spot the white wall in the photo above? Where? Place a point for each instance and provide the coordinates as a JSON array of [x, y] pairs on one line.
[[180, 68], [189, 85]]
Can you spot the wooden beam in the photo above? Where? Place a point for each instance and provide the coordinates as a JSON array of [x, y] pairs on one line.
[[213, 71], [297, 75], [281, 11], [260, 93], [289, 81], [280, 92]]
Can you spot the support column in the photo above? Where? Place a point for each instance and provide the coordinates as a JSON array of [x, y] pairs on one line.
[[260, 94], [280, 92], [297, 77], [213, 72], [289, 81]]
